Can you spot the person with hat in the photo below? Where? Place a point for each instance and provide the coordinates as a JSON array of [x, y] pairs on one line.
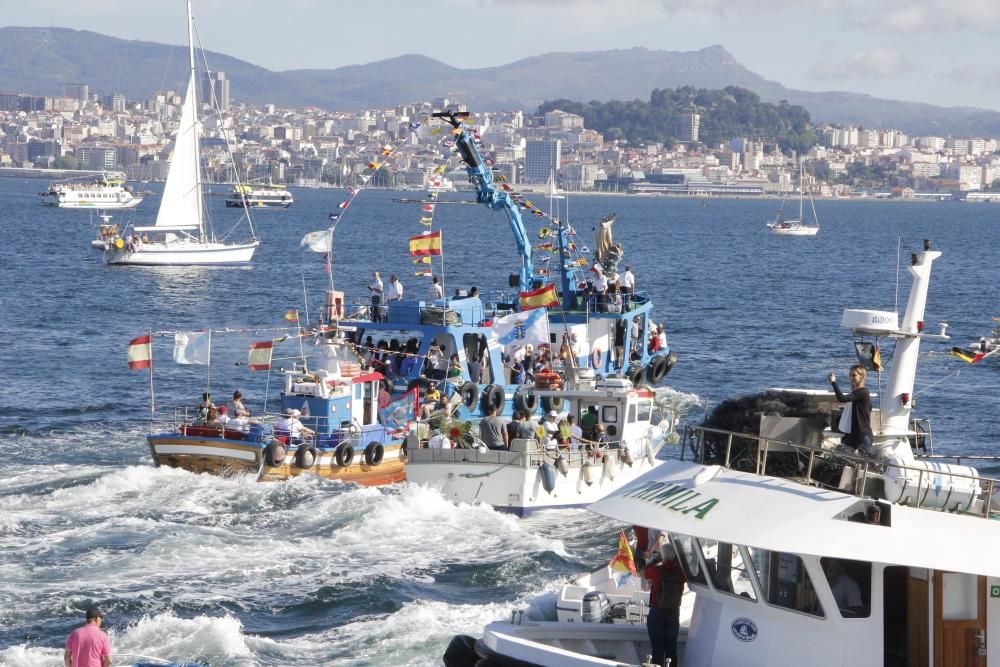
[[290, 423], [666, 586], [88, 645], [551, 427]]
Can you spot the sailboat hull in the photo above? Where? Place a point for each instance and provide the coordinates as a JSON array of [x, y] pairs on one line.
[[800, 230], [182, 253]]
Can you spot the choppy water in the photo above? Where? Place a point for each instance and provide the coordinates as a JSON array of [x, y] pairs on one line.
[[313, 572]]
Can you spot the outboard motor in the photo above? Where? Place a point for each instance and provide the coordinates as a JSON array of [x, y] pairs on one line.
[[596, 608]]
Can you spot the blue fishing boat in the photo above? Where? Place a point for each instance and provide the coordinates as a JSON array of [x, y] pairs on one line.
[[590, 332]]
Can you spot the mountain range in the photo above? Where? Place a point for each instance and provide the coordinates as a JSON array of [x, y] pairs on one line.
[[40, 60]]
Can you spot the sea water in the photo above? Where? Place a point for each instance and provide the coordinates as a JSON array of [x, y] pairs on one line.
[[311, 571]]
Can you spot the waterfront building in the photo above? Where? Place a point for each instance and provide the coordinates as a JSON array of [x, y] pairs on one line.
[[215, 86], [541, 160]]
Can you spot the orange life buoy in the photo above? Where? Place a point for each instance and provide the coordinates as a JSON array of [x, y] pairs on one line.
[[595, 358]]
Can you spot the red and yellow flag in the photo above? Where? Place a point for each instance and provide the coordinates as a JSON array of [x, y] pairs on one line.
[[426, 244], [539, 298], [140, 353], [259, 358], [623, 564], [292, 315]]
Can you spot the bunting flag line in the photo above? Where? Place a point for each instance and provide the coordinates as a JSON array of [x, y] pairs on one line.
[[623, 564], [193, 347], [335, 216], [424, 274], [292, 315], [140, 353], [259, 358], [543, 297], [426, 244]]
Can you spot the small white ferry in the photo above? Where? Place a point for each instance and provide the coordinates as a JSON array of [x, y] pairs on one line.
[[108, 191], [532, 476], [259, 196], [848, 561]]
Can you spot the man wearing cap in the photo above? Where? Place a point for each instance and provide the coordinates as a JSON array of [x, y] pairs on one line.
[[666, 581], [88, 645], [290, 422], [551, 426]]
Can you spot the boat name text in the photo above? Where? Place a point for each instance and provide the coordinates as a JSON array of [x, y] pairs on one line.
[[674, 497]]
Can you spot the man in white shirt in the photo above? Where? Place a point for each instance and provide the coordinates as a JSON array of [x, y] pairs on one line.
[[600, 282], [661, 337], [290, 422], [627, 282], [376, 288], [436, 291], [395, 290], [551, 426], [440, 441]]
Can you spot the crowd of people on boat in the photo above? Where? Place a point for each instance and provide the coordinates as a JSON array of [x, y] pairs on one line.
[[233, 416]]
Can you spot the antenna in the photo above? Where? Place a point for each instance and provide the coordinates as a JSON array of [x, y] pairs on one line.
[[895, 305]]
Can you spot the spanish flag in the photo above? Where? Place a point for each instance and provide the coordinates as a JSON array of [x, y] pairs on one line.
[[292, 315], [424, 274], [623, 564], [422, 260], [539, 298], [259, 358], [426, 244]]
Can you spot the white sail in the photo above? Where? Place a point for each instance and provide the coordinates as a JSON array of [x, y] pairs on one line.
[[180, 205]]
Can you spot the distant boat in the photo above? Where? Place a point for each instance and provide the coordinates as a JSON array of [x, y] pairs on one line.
[[782, 227], [260, 196], [107, 191], [179, 236]]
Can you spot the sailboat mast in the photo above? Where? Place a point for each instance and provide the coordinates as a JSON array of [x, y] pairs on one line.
[[193, 82], [802, 188]]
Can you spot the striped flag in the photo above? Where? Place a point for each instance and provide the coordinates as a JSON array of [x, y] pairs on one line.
[[965, 355], [426, 244], [292, 315], [422, 260], [259, 358], [542, 297], [424, 274], [140, 353]]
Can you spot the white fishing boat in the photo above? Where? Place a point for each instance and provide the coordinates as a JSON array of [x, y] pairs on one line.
[[181, 234], [107, 191], [844, 561], [782, 226], [533, 476], [259, 196]]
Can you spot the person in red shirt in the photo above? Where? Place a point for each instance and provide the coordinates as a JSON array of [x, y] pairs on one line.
[[666, 581], [88, 645]]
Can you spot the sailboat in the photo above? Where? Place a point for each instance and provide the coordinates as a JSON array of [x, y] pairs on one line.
[[782, 227], [180, 235]]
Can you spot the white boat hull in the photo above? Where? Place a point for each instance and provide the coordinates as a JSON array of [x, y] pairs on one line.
[[183, 253], [72, 200], [800, 230], [513, 482]]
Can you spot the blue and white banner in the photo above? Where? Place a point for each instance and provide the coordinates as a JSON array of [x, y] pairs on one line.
[[194, 347], [520, 329]]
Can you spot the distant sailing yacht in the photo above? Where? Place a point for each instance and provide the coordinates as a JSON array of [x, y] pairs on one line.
[[782, 227], [179, 236]]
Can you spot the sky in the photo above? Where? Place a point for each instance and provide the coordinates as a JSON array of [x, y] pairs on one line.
[[934, 51]]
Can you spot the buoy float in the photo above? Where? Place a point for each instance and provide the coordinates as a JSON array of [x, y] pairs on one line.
[[609, 468], [119, 243], [586, 473], [548, 477], [562, 465]]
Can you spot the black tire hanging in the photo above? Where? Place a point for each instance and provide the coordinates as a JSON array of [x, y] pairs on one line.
[[374, 453], [345, 455], [469, 393], [493, 397], [550, 403], [275, 453], [300, 457], [525, 401]]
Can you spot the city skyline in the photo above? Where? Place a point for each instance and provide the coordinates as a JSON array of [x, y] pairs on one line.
[[922, 51]]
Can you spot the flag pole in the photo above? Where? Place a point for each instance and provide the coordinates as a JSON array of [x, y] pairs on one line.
[[444, 293], [267, 382], [152, 392], [208, 372], [305, 295]]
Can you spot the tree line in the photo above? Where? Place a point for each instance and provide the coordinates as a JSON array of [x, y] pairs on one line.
[[726, 114]]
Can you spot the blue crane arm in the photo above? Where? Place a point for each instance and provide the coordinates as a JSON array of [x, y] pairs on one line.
[[481, 177]]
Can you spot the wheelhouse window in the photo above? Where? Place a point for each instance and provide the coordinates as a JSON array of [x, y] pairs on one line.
[[784, 581], [726, 567], [851, 584], [609, 414], [687, 554], [645, 410]]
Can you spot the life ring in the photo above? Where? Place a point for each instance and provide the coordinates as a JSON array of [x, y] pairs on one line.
[[303, 461], [525, 401], [657, 369], [469, 393], [493, 397], [550, 403], [634, 375], [374, 453], [274, 455], [595, 358], [345, 455]]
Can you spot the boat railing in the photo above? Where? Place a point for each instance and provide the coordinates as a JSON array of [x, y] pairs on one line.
[[523, 453], [701, 442]]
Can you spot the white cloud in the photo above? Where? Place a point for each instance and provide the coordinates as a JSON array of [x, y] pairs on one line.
[[873, 63]]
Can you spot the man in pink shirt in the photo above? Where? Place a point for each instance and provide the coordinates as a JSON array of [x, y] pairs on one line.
[[88, 646]]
